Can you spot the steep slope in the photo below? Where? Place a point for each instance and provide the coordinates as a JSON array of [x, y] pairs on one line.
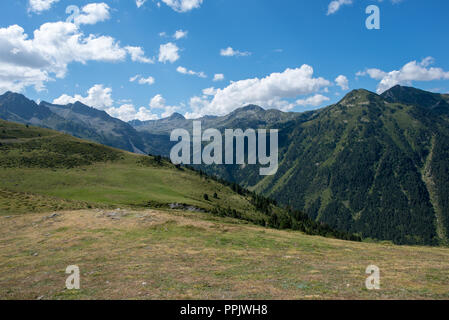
[[359, 164]]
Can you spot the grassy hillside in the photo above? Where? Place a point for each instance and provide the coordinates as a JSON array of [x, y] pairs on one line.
[[49, 164]]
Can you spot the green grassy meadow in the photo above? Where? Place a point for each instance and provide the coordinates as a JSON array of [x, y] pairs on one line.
[[78, 174]]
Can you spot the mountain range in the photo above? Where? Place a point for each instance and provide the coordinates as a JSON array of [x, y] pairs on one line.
[[375, 165]]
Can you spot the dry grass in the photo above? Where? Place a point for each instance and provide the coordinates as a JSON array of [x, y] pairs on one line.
[[180, 255]]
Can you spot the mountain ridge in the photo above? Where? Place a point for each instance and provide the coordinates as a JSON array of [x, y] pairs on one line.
[[77, 119], [248, 116]]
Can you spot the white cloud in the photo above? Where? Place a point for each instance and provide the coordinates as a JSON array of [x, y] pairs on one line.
[[168, 53], [150, 80], [335, 5], [128, 112], [412, 71], [92, 13], [26, 61], [158, 102], [39, 6], [138, 55], [342, 82], [190, 72], [140, 3], [179, 34], [313, 101], [219, 77], [230, 52], [183, 5], [210, 91], [268, 92], [97, 97], [16, 78]]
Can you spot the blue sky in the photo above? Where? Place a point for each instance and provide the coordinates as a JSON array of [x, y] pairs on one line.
[[151, 60]]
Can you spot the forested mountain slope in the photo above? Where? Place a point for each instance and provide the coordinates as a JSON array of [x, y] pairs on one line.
[[372, 164]]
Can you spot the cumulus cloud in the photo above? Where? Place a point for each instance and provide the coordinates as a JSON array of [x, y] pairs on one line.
[[138, 55], [140, 3], [313, 101], [342, 82], [190, 72], [179, 34], [158, 102], [128, 112], [168, 52], [268, 92], [98, 97], [16, 78], [38, 6], [412, 71], [218, 77], [141, 80], [183, 5], [26, 61], [230, 52], [92, 13]]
